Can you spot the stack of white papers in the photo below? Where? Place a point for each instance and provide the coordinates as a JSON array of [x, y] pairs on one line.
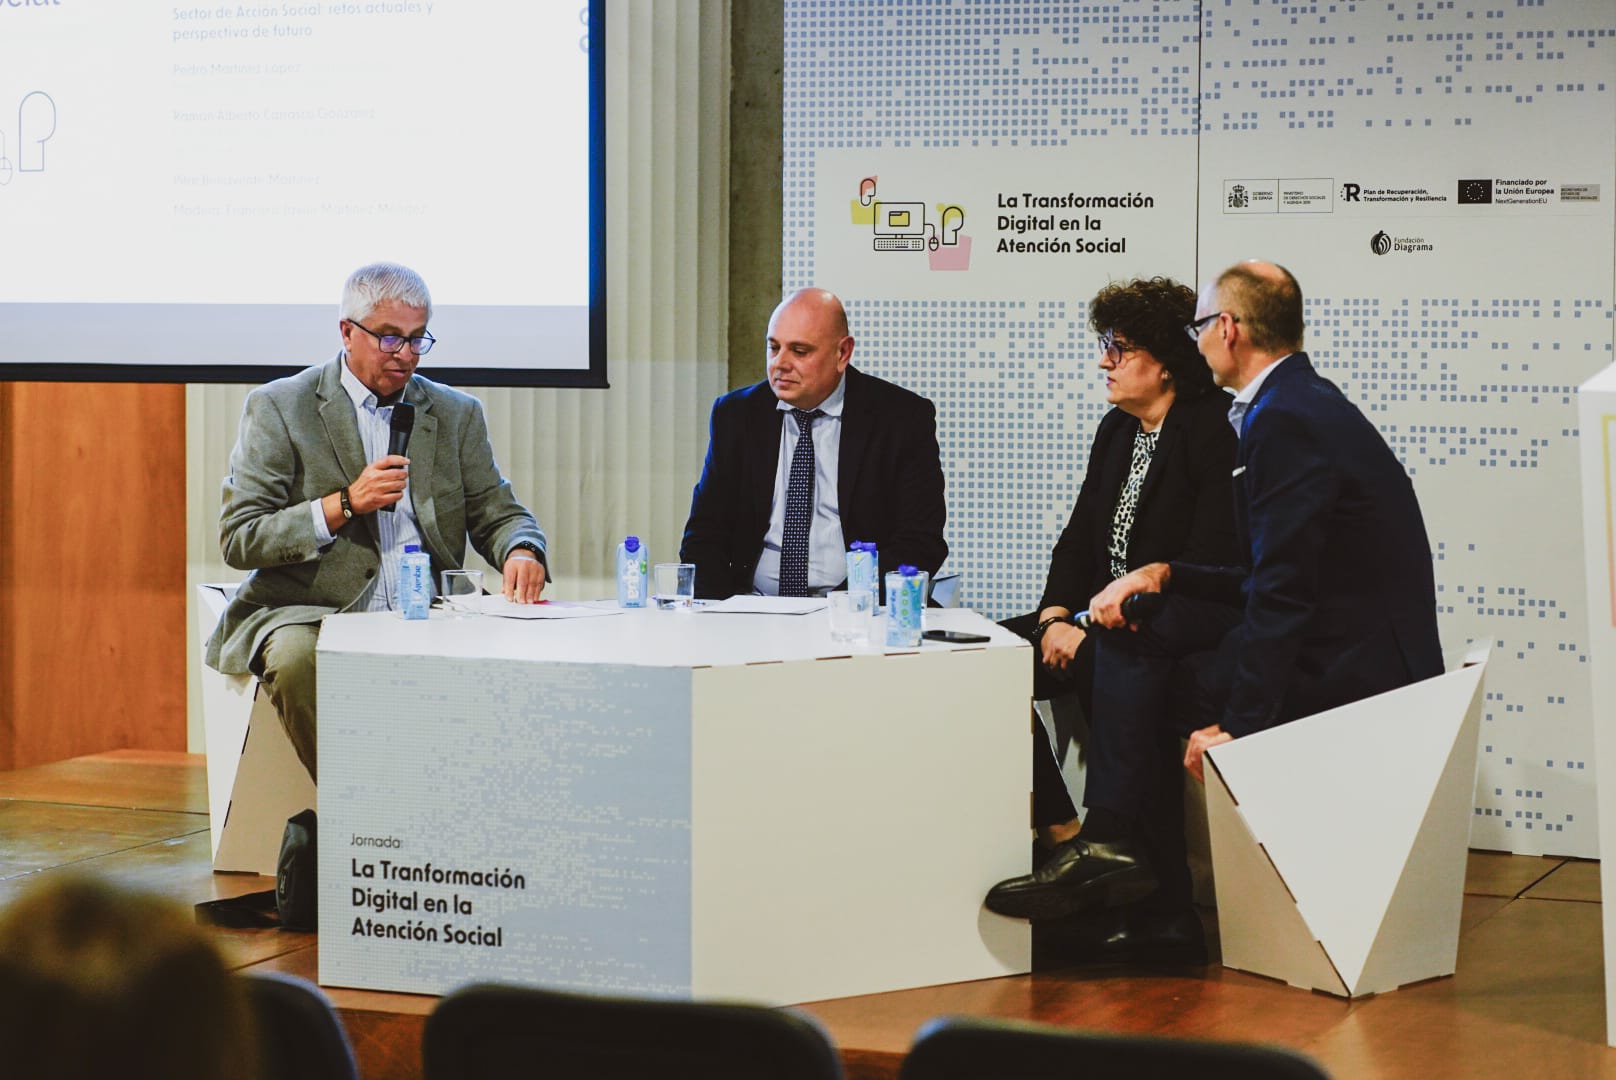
[[544, 609], [766, 605]]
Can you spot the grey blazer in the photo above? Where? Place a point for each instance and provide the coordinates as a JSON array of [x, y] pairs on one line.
[[299, 441]]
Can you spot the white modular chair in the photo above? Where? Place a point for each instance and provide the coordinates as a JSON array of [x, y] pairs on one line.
[[255, 781], [1339, 841]]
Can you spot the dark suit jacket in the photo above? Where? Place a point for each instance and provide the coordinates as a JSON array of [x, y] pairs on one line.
[[1340, 601], [889, 482], [1185, 511]]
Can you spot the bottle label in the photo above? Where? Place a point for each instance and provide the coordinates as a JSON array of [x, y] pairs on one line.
[[631, 577], [415, 586], [862, 569], [905, 596]]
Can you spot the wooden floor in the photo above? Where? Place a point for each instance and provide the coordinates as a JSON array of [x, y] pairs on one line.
[[1528, 999]]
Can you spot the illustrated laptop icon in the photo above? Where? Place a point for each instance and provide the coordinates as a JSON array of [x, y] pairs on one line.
[[900, 226]]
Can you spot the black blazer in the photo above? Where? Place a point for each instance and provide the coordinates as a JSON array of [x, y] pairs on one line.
[[1185, 511], [889, 482], [1340, 600]]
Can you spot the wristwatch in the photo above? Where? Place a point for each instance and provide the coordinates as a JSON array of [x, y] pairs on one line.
[[347, 507], [529, 546]]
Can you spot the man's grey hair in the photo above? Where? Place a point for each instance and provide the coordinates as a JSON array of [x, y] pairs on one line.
[[379, 282]]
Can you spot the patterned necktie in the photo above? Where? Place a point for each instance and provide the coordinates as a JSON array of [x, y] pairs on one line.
[[799, 508]]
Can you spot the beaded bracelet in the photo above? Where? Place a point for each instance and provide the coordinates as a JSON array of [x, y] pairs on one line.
[[1038, 634]]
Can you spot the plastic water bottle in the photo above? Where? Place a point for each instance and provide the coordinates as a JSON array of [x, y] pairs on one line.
[[863, 569], [414, 583], [633, 564], [906, 599]]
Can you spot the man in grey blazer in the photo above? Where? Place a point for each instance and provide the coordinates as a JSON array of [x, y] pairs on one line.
[[319, 512]]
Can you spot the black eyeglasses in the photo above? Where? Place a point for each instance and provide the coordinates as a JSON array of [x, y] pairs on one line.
[[1115, 350], [392, 343], [1194, 329]]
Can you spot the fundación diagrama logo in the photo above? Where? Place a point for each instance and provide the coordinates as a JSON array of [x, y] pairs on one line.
[[1382, 243]]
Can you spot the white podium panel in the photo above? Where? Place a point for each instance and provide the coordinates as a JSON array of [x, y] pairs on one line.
[[1596, 407], [681, 804]]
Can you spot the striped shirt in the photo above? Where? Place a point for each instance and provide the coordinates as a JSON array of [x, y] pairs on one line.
[[396, 529]]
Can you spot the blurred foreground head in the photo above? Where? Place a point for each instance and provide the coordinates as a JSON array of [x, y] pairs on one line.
[[101, 981]]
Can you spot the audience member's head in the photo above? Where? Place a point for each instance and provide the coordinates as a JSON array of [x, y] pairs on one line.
[[1150, 313], [100, 981]]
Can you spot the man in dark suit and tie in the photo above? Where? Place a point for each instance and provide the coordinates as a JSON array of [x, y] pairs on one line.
[[1338, 602], [813, 458]]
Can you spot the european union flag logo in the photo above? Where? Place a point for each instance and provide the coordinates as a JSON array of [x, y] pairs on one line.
[[1475, 191]]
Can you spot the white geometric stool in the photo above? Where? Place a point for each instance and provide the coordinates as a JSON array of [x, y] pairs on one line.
[[255, 781], [1339, 840]]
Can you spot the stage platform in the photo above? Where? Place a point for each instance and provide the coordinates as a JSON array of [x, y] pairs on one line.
[[1528, 998]]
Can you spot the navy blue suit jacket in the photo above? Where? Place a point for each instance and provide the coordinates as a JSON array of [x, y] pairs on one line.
[[1340, 601], [889, 484]]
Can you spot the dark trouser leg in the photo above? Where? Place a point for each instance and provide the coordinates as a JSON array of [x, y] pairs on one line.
[[1148, 686], [287, 663], [1051, 802]]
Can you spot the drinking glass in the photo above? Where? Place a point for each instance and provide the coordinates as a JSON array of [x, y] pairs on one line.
[[462, 592], [673, 585], [850, 614]]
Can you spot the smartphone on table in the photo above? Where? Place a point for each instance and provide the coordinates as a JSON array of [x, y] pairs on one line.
[[955, 637]]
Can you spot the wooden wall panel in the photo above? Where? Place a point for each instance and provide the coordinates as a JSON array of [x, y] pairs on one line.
[[92, 569]]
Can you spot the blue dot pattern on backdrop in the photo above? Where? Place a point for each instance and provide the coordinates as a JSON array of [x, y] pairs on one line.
[[1474, 391]]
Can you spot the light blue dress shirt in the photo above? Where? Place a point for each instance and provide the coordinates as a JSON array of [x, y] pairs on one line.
[[827, 551], [1248, 394]]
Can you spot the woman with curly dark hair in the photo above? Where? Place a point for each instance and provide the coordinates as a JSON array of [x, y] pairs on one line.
[[1156, 489]]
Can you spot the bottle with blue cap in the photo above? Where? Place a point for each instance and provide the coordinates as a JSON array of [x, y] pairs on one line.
[[863, 569], [906, 600], [633, 572], [415, 583]]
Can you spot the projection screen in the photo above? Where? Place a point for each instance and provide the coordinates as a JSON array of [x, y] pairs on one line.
[[183, 189]]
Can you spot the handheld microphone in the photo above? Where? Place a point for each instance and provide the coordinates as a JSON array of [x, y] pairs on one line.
[[1140, 607], [398, 435]]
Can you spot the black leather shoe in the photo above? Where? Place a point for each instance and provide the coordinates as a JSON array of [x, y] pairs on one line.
[[1127, 935], [1079, 876]]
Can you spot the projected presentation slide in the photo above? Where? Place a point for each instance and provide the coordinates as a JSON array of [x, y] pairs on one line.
[[188, 185]]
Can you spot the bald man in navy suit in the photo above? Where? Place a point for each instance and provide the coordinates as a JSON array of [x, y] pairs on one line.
[[877, 472], [1338, 604]]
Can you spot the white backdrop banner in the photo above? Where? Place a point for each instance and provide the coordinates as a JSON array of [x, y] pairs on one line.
[[1439, 179]]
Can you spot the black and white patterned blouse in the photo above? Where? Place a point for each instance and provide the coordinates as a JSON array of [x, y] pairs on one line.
[[1144, 445]]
